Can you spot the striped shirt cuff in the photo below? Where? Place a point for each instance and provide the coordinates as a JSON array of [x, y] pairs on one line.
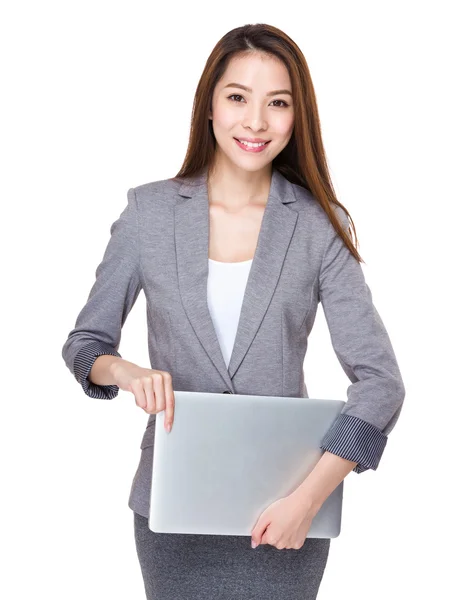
[[83, 362], [357, 440]]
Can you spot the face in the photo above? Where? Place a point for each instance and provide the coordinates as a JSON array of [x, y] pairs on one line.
[[250, 102]]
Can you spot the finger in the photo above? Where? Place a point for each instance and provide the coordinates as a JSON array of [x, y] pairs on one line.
[[148, 386], [257, 533], [159, 391], [137, 388], [169, 401], [265, 538]]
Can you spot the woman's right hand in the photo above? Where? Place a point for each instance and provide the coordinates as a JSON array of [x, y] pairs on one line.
[[152, 389]]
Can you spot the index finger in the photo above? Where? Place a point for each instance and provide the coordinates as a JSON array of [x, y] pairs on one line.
[[169, 402]]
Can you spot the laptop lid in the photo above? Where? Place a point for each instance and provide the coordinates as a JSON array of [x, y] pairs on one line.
[[229, 456]]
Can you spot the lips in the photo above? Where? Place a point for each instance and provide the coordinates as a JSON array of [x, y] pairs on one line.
[[252, 149], [254, 141]]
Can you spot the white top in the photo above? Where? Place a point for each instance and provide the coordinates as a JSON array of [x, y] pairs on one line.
[[226, 283]]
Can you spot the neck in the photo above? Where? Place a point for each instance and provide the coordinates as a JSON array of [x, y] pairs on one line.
[[234, 187]]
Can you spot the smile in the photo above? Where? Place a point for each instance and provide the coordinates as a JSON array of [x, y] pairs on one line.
[[250, 146]]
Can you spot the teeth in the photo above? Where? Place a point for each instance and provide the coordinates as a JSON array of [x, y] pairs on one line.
[[252, 145]]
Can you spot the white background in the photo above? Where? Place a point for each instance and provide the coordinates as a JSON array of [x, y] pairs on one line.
[[96, 98]]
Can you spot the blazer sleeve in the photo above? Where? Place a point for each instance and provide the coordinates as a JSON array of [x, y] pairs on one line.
[[117, 285], [364, 350]]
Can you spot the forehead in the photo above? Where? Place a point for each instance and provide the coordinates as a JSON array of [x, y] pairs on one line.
[[258, 71]]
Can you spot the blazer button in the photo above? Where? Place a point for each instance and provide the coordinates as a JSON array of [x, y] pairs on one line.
[[227, 392]]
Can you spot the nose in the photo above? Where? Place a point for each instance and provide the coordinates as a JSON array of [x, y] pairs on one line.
[[254, 118]]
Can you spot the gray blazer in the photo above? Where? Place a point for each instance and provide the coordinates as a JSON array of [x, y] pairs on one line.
[[160, 244]]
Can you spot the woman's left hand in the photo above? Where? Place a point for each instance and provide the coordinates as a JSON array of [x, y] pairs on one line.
[[285, 523]]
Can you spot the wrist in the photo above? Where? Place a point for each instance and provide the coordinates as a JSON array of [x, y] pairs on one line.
[[307, 499], [113, 361]]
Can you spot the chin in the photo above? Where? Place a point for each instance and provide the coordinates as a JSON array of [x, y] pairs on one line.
[[252, 168]]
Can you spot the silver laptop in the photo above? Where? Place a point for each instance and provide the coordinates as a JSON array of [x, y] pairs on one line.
[[229, 456]]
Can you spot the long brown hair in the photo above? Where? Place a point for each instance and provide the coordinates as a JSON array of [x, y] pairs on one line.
[[303, 160]]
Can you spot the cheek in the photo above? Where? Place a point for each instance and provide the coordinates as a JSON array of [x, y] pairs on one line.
[[223, 118], [284, 125]]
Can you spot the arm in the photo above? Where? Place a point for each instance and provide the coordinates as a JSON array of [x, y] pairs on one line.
[[364, 350], [98, 326], [328, 473], [101, 372]]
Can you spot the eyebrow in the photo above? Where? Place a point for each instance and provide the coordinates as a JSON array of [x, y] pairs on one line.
[[247, 89]]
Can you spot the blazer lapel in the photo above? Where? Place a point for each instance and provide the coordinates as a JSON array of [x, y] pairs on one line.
[[192, 253]]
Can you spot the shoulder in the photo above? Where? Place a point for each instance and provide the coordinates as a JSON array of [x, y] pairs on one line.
[[160, 191], [308, 204]]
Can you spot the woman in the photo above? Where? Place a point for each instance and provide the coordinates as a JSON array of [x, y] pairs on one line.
[[234, 254]]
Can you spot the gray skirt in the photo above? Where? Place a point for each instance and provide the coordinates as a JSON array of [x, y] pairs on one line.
[[217, 567]]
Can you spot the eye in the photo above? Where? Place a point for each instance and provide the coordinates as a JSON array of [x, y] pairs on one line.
[[283, 103], [235, 96]]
